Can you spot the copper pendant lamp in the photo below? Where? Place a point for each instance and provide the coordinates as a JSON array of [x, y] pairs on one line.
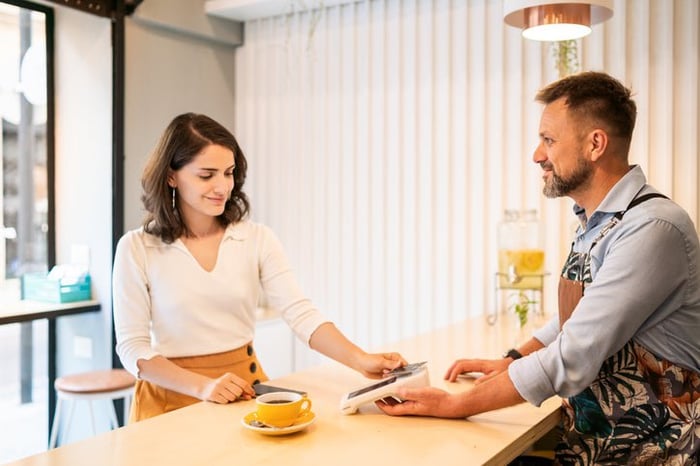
[[556, 20]]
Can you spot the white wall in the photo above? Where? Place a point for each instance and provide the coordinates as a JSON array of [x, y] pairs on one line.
[[84, 176], [177, 60], [384, 146]]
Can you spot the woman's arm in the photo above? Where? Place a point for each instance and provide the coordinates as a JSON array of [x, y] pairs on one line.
[[283, 293], [160, 371], [330, 341]]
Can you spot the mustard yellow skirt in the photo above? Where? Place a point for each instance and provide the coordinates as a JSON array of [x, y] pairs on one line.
[[151, 400]]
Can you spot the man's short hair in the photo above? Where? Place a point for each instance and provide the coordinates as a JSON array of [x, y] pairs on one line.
[[597, 97]]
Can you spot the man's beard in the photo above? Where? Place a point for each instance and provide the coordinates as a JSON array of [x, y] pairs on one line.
[[557, 186]]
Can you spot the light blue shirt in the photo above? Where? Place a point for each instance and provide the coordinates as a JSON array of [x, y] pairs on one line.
[[645, 286]]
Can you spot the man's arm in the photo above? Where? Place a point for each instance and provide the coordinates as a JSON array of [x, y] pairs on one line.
[[492, 391], [497, 392]]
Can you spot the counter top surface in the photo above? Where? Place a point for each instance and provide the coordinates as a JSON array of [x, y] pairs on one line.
[[27, 310], [211, 434]]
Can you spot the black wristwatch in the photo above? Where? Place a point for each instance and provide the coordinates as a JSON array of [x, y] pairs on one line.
[[513, 353]]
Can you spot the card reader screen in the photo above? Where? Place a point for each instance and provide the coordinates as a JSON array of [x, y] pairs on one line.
[[369, 388]]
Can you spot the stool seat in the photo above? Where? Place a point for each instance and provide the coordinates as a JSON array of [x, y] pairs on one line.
[[107, 385], [95, 381]]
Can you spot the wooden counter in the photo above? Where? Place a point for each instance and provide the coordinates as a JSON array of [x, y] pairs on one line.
[[210, 434]]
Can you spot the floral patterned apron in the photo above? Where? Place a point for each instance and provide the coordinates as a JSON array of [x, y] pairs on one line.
[[640, 409]]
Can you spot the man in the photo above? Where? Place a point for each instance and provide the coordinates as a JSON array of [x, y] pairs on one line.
[[624, 351]]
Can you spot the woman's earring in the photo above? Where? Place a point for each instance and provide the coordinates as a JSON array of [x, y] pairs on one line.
[[173, 198]]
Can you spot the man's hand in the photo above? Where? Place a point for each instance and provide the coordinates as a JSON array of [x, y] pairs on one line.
[[425, 401], [489, 367]]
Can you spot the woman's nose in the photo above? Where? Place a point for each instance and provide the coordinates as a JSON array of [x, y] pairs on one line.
[[223, 186]]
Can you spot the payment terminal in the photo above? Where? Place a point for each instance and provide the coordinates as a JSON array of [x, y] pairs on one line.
[[412, 375]]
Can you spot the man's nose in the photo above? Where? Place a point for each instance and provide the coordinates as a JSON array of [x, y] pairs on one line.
[[539, 155]]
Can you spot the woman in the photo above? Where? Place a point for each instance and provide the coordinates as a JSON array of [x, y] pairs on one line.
[[186, 284]]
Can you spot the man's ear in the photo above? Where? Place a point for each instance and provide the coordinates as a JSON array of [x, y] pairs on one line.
[[598, 143]]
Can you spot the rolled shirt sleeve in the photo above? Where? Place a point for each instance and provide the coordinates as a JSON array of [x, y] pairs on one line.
[[548, 332]]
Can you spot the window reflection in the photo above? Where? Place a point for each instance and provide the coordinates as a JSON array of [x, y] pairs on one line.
[[24, 143]]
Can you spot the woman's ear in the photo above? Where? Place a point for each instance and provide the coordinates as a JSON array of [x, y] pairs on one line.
[[171, 179]]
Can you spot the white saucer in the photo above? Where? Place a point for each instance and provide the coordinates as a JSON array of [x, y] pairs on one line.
[[302, 423]]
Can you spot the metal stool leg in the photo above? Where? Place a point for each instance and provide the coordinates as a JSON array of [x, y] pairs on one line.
[[113, 422], [127, 409], [56, 423], [92, 418], [71, 409], [71, 412]]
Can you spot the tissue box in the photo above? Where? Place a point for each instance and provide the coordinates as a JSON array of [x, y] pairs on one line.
[[37, 287]]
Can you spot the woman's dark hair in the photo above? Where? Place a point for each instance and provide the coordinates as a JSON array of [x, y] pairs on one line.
[[184, 138], [597, 97]]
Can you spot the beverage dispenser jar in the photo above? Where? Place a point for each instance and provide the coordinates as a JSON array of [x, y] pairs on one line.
[[520, 252]]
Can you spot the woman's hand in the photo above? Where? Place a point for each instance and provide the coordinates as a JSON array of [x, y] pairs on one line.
[[376, 365], [328, 340], [226, 389], [489, 367]]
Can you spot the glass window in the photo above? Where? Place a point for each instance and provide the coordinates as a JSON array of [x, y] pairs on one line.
[[26, 143], [26, 217]]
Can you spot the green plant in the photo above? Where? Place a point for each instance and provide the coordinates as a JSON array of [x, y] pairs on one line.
[[522, 306], [565, 55]]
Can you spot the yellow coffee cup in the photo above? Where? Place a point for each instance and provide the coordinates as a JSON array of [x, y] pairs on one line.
[[281, 409]]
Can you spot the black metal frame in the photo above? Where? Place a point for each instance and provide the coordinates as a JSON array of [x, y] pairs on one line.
[[104, 8], [118, 90]]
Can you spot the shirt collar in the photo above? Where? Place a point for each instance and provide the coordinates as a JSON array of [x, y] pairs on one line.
[[620, 196], [236, 231]]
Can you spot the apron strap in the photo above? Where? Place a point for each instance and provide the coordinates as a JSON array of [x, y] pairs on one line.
[[638, 200], [570, 292]]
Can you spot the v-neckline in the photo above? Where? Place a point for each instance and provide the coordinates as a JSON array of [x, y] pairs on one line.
[[205, 259]]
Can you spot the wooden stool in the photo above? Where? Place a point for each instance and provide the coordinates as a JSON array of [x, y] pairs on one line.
[[110, 384]]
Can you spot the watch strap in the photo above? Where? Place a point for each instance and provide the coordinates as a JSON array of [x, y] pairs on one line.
[[513, 353]]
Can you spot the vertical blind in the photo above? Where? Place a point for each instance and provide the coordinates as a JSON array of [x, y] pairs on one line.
[[385, 139]]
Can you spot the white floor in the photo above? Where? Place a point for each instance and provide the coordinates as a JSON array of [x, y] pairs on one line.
[[23, 427], [23, 430]]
